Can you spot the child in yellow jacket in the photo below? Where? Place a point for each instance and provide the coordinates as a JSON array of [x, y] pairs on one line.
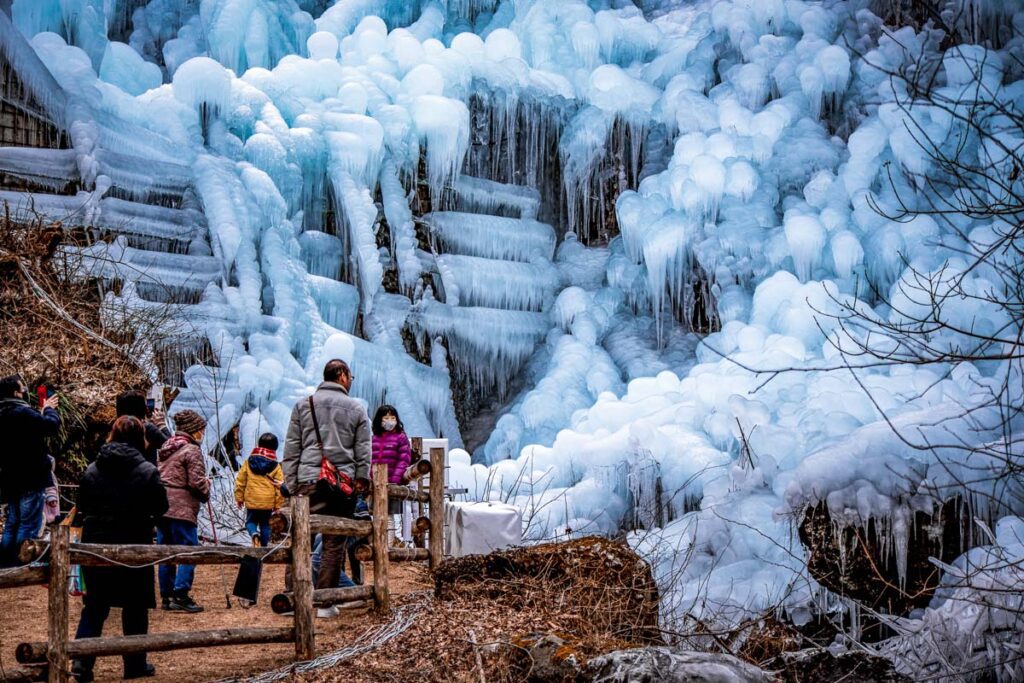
[[258, 488]]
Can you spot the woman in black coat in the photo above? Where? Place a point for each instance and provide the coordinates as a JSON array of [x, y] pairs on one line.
[[120, 498]]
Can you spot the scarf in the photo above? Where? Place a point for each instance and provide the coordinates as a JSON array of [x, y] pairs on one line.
[[265, 452]]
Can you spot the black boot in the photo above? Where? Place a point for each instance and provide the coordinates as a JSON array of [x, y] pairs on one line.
[[147, 670], [181, 602], [81, 673]]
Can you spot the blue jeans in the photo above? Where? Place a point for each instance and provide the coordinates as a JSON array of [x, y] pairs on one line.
[[258, 521], [318, 551], [24, 522], [176, 579]]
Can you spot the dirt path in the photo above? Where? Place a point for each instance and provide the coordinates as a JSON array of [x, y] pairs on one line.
[[23, 617]]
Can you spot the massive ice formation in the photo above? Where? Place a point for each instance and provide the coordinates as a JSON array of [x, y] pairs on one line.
[[525, 211]]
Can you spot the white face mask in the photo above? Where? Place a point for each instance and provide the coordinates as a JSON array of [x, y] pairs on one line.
[[389, 423]]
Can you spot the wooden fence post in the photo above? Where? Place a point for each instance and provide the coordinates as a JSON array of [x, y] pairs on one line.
[[381, 593], [436, 507], [417, 454], [57, 626], [302, 580]]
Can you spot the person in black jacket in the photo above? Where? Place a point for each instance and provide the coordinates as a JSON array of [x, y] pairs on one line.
[[120, 498], [24, 464], [134, 403]]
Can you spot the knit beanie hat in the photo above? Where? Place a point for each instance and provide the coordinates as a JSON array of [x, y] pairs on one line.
[[189, 421]]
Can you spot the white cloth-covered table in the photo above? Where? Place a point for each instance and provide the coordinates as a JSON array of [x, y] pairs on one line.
[[479, 528]]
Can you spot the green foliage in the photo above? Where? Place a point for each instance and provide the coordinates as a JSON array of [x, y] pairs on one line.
[[69, 445]]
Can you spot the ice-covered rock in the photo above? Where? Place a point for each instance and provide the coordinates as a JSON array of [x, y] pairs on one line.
[[675, 665]]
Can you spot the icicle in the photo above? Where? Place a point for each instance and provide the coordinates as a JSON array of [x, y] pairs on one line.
[[338, 302], [498, 284], [443, 127], [486, 196], [361, 218], [490, 344], [403, 232], [323, 254], [642, 480], [491, 236]]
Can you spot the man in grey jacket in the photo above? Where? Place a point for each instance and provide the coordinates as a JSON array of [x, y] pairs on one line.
[[347, 442]]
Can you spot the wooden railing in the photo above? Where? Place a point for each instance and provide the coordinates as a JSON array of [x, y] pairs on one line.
[[51, 660]]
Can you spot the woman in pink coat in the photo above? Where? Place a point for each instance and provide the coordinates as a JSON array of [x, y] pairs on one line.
[[391, 446]]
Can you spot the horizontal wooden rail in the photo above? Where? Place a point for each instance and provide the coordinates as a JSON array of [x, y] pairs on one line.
[[326, 524], [104, 555], [408, 554], [420, 525], [16, 577], [399, 492], [340, 526], [26, 673], [322, 597], [364, 553], [416, 470], [29, 653]]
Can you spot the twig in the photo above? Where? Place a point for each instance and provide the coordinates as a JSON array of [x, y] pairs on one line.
[[56, 308], [479, 658]]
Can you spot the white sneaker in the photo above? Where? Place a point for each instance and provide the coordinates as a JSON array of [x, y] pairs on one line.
[[327, 612]]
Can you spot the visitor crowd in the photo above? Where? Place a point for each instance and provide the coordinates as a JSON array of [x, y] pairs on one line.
[[148, 483]]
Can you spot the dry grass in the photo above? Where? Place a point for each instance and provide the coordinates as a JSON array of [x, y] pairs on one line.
[[48, 350], [596, 595]]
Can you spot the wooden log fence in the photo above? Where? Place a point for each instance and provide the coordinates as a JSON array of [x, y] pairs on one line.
[[302, 580], [379, 515], [283, 603], [365, 554], [26, 673], [31, 653], [51, 660], [24, 576], [405, 493], [105, 555], [436, 494], [416, 470]]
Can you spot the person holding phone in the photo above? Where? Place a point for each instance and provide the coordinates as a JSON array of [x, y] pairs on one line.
[[24, 463], [135, 404]]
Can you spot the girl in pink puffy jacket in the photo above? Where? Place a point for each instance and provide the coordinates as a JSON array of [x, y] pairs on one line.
[[391, 446]]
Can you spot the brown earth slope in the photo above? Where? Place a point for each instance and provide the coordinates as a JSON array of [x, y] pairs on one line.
[[50, 333]]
